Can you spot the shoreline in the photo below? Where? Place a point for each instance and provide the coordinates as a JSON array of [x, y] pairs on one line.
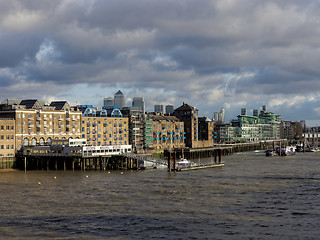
[[9, 170]]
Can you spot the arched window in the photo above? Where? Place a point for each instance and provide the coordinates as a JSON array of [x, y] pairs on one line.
[[49, 140], [41, 141], [25, 142], [33, 142]]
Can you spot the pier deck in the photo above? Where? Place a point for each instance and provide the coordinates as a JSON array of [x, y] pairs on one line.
[[204, 166]]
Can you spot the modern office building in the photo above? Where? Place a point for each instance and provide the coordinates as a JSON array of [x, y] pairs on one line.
[[147, 134], [136, 125], [246, 128], [138, 104], [158, 109], [169, 109], [119, 100], [108, 102], [218, 117]]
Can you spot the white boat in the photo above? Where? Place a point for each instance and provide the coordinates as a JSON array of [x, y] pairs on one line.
[[288, 150], [271, 153], [182, 163]]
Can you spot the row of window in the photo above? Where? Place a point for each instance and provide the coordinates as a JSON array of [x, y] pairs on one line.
[[105, 143], [99, 136], [45, 115], [99, 122], [7, 137], [2, 147], [3, 127]]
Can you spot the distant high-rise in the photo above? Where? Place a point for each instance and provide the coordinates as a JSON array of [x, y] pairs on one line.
[[138, 104], [119, 100], [108, 102], [158, 109], [243, 111], [169, 109], [219, 116]]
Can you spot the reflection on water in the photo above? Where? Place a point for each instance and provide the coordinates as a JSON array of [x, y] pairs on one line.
[[252, 197]]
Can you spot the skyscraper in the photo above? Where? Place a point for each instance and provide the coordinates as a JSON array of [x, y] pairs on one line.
[[158, 109], [108, 102], [169, 109], [219, 116], [138, 104], [119, 100]]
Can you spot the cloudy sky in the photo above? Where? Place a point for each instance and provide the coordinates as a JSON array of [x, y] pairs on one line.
[[208, 53]]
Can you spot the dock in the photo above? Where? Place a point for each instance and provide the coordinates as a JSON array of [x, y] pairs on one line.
[[215, 153], [198, 167]]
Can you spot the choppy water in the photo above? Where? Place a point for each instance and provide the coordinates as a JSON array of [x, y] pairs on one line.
[[252, 197]]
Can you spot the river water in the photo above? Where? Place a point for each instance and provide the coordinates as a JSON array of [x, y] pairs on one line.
[[251, 197]]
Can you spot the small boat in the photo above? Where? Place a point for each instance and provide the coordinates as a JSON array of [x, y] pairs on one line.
[[286, 151], [271, 153], [182, 163]]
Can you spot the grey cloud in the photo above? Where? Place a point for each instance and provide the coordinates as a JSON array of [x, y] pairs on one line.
[[236, 49]]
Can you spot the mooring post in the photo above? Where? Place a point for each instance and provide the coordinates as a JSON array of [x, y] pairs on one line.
[[64, 165], [169, 162], [25, 164], [220, 156], [174, 161]]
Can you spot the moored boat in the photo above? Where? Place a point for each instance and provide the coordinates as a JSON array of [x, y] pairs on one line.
[[271, 153], [286, 151], [182, 163]]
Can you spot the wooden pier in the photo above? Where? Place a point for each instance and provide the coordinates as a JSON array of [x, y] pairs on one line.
[[118, 162], [198, 167], [173, 156]]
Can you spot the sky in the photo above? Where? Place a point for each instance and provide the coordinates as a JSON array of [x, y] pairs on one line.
[[211, 54]]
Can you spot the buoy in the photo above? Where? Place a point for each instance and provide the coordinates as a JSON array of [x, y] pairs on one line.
[[54, 177], [39, 183], [121, 172], [108, 172], [87, 176]]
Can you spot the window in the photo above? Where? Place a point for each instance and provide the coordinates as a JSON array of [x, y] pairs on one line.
[[2, 127]]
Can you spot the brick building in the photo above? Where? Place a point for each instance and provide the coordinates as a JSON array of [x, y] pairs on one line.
[[168, 132]]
